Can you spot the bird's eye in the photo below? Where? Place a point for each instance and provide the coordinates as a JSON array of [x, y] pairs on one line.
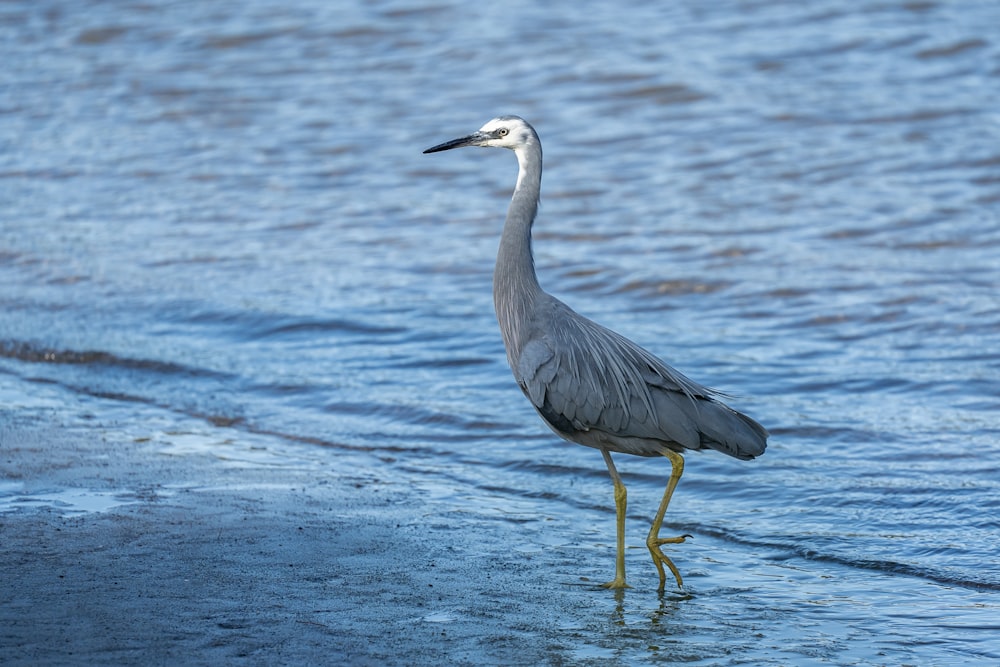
[[502, 132]]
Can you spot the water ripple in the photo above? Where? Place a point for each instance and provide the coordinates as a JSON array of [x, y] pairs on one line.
[[226, 215]]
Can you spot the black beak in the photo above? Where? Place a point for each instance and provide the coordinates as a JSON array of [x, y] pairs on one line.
[[471, 140]]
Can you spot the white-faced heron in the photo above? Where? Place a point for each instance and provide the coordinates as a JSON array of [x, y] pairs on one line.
[[591, 385]]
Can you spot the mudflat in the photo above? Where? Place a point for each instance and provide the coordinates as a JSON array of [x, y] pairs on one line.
[[140, 537]]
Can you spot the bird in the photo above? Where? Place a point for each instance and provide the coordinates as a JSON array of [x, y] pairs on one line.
[[589, 384]]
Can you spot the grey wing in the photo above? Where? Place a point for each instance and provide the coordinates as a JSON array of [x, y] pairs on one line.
[[596, 387]]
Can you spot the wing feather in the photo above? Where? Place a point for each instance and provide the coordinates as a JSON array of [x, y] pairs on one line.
[[583, 377]]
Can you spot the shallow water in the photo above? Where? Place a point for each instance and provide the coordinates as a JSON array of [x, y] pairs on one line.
[[221, 210]]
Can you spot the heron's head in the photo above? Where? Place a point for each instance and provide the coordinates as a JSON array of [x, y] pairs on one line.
[[510, 132]]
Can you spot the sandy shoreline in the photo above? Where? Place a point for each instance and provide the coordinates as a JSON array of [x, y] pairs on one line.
[[226, 547], [133, 535]]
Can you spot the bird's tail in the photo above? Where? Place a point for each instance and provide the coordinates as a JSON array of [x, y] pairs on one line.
[[730, 432]]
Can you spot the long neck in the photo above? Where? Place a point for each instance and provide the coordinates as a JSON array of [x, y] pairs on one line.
[[515, 285]]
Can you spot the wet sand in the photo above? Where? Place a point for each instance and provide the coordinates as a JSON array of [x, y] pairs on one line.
[[203, 545], [135, 535]]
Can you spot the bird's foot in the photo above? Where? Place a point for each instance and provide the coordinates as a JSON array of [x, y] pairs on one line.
[[616, 584], [660, 559]]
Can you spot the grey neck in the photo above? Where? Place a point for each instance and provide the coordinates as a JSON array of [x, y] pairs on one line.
[[515, 285]]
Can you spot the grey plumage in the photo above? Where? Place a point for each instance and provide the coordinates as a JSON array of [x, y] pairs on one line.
[[591, 385]]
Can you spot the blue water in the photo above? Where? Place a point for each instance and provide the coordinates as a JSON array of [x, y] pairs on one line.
[[221, 210]]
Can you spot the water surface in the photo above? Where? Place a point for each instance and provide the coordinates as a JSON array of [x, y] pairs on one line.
[[221, 210]]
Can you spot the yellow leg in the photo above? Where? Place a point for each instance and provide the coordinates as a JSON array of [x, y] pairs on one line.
[[654, 541], [621, 500]]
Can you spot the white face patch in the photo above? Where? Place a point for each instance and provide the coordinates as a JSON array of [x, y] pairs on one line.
[[518, 132], [493, 125]]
